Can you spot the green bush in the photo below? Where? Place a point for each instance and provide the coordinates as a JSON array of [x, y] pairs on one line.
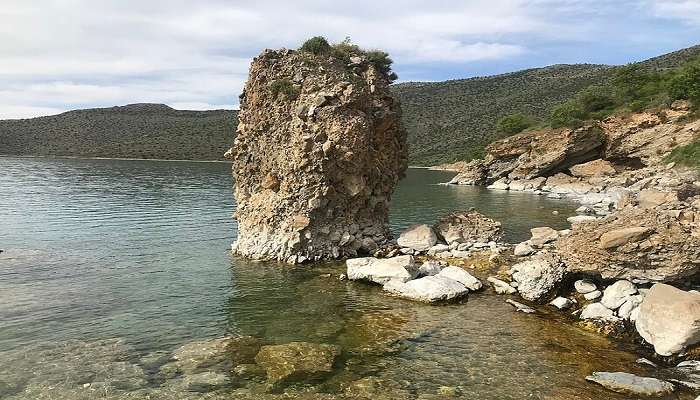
[[595, 99], [685, 84], [686, 155], [316, 45], [568, 114], [284, 87], [514, 123]]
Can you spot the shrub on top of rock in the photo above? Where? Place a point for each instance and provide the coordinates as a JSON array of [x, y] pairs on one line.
[[316, 45]]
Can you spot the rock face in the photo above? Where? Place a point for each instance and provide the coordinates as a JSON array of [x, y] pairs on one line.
[[468, 227], [633, 243], [297, 361], [319, 150], [622, 382], [669, 319]]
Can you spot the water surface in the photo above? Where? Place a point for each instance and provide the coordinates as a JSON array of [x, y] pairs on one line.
[[138, 250]]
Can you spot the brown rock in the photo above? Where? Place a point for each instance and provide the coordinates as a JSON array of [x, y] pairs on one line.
[[650, 198], [669, 252], [297, 361], [623, 236], [315, 160], [543, 235], [468, 227], [593, 168]]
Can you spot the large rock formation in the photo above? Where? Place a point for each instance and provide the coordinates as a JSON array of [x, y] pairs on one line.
[[656, 244], [319, 150]]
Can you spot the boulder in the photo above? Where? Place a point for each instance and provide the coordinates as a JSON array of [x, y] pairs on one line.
[[669, 319], [561, 303], [593, 168], [500, 286], [418, 237], [523, 249], [667, 252], [539, 276], [616, 294], [428, 289], [620, 237], [460, 275], [584, 286], [590, 296], [543, 235], [381, 271], [629, 306], [622, 382], [297, 361], [469, 226], [598, 311], [314, 185], [650, 198], [430, 268]]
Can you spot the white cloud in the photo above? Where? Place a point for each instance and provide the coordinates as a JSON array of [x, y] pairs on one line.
[[686, 10], [63, 54]]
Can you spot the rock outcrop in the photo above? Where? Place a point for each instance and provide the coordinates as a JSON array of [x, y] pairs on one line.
[[539, 276], [319, 150], [635, 243], [469, 226]]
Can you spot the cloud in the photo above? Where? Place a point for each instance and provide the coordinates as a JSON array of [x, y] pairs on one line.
[[65, 54]]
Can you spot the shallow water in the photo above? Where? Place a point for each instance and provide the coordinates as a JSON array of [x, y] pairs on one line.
[[137, 250]]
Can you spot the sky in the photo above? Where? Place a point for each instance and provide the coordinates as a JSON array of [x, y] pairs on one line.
[[58, 55]]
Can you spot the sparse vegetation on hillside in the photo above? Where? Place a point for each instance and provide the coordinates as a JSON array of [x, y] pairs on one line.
[[686, 155], [454, 120], [134, 131]]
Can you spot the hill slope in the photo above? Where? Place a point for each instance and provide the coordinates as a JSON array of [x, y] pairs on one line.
[[132, 131], [447, 121], [454, 120]]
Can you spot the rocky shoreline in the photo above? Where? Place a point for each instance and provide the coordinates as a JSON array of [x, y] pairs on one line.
[[628, 266]]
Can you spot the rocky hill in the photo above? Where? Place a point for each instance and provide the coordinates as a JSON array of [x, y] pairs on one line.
[[455, 120], [132, 131], [446, 121]]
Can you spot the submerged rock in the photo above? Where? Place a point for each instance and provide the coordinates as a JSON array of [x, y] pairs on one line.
[[669, 319], [622, 382], [381, 271], [319, 149], [521, 307], [297, 361]]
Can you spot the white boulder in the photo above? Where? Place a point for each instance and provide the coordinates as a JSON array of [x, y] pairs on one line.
[[381, 271], [418, 237], [616, 294], [461, 276], [428, 289]]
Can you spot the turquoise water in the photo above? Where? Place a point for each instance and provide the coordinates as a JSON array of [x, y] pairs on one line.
[[138, 250]]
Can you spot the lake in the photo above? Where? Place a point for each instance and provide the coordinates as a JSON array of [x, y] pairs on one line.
[[137, 251]]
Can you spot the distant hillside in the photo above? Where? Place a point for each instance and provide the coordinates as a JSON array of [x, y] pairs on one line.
[[132, 131], [446, 121], [454, 120]]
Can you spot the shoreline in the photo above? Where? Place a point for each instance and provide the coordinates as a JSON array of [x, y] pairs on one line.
[[111, 158]]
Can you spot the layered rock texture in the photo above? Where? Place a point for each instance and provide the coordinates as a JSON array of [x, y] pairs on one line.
[[319, 150]]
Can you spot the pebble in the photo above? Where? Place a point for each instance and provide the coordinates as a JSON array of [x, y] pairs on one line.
[[593, 295]]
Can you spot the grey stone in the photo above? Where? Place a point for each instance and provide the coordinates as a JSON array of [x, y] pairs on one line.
[[561, 303], [539, 276], [584, 286], [632, 302], [590, 296], [418, 237], [430, 268], [381, 271], [599, 312], [616, 294], [622, 382], [461, 276], [500, 286], [521, 307], [428, 289], [523, 249]]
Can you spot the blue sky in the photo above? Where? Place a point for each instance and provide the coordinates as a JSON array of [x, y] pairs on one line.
[[59, 55]]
